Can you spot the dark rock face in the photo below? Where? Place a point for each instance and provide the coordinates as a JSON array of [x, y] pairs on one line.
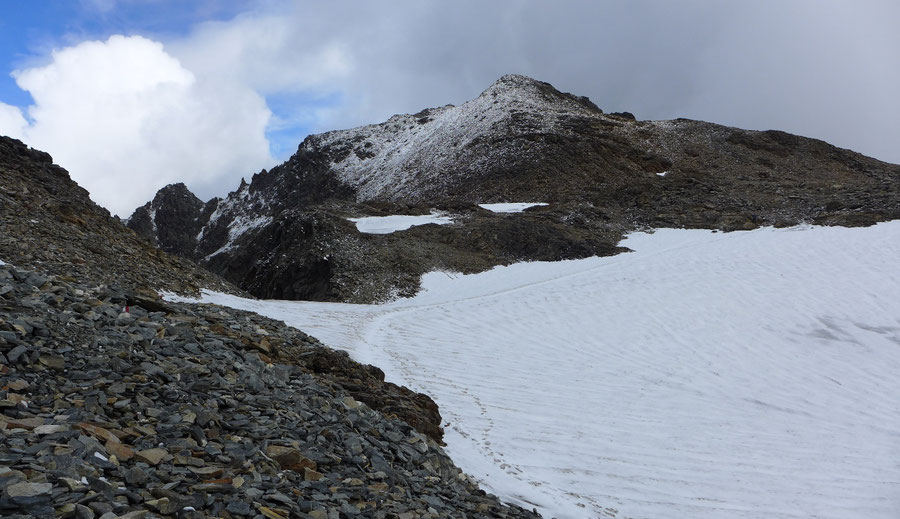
[[285, 235], [283, 258], [172, 219], [49, 222], [200, 411]]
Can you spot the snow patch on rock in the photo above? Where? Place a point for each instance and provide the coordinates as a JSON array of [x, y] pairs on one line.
[[152, 215], [511, 207], [398, 222]]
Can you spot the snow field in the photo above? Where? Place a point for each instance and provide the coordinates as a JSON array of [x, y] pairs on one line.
[[709, 375]]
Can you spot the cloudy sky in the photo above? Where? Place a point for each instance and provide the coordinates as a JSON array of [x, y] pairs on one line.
[[131, 95]]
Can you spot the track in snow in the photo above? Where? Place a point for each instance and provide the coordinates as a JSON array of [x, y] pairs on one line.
[[706, 375]]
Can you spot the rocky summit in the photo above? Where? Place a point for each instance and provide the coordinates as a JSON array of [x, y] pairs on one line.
[[175, 410], [286, 234]]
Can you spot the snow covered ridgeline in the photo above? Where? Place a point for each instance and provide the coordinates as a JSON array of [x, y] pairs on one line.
[[738, 375]]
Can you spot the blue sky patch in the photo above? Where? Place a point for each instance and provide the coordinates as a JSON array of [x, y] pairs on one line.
[[29, 31], [293, 119]]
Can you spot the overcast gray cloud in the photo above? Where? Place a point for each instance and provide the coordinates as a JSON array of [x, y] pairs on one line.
[[825, 69]]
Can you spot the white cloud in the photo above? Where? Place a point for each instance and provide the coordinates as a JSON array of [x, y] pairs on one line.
[[12, 123], [267, 52], [126, 118]]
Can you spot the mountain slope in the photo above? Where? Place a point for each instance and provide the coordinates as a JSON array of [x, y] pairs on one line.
[[49, 223], [116, 404], [285, 233]]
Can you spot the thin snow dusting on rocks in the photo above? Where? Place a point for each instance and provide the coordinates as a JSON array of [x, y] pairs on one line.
[[705, 375], [410, 151], [237, 227]]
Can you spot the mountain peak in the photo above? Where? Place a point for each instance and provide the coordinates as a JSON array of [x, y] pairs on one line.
[[174, 190], [518, 86], [517, 81]]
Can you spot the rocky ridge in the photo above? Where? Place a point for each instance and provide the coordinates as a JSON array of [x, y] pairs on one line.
[[182, 410], [49, 223], [285, 234]]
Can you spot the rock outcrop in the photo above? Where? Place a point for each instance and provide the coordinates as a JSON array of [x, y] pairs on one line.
[[285, 234], [172, 219]]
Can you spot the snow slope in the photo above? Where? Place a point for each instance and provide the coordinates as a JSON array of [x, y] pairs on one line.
[[705, 375]]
